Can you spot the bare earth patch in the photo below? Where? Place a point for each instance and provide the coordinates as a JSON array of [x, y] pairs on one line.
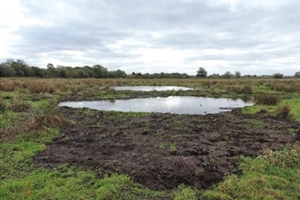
[[162, 151]]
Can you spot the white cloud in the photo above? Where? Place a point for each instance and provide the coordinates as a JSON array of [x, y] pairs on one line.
[[253, 37]]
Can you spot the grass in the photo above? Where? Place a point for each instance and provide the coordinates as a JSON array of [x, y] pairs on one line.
[[29, 119], [293, 107], [255, 123], [266, 99], [71, 183], [273, 175]]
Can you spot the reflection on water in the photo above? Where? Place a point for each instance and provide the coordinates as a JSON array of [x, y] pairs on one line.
[[151, 88], [174, 104]]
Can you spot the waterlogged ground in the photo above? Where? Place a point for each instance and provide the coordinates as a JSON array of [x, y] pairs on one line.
[[162, 151]]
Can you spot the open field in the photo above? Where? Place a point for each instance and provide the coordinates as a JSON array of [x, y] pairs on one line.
[[49, 152]]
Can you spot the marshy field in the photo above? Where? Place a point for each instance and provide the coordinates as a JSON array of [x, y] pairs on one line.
[[48, 151]]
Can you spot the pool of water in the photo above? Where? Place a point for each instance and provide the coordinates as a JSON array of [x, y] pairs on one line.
[[173, 104], [151, 88]]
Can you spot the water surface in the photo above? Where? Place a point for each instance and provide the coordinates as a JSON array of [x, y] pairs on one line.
[[173, 104]]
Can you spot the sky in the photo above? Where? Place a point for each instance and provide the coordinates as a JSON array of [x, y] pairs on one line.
[[259, 37]]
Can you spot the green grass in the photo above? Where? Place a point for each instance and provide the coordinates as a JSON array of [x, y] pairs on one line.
[[293, 103], [295, 106], [184, 192], [7, 118], [273, 175], [71, 183], [39, 104]]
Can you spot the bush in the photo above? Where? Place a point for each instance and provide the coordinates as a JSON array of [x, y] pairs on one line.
[[246, 90], [266, 99], [283, 111], [277, 75], [285, 86]]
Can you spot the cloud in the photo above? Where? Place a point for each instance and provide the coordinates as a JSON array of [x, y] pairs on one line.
[[253, 37]]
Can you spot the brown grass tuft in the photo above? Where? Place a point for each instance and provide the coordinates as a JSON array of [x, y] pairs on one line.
[[46, 120], [283, 111], [266, 99], [8, 85], [18, 106]]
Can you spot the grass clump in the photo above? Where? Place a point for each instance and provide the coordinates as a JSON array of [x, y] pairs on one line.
[[20, 106], [7, 85], [239, 89], [184, 192], [283, 111], [288, 86], [287, 158], [47, 120], [266, 99]]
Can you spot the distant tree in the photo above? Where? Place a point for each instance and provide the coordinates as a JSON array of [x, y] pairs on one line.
[[214, 75], [38, 71], [100, 71], [238, 74], [6, 71], [50, 65], [277, 75], [51, 71], [18, 66], [117, 74], [62, 72], [227, 75], [297, 74], [201, 73], [28, 71]]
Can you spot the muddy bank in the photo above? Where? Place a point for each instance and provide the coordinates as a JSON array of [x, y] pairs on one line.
[[162, 151]]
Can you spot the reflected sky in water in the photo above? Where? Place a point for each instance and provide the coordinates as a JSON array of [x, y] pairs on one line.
[[173, 104], [151, 88]]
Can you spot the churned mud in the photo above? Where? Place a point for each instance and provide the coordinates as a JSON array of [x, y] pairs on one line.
[[162, 151]]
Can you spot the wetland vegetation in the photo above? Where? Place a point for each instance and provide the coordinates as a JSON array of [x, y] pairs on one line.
[[52, 152]]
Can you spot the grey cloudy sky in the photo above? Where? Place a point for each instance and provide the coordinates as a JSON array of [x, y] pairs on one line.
[[253, 37]]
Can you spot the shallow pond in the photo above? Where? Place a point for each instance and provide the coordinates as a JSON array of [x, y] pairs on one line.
[[151, 88], [173, 104]]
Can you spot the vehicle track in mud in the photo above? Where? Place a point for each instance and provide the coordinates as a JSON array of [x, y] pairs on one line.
[[162, 151]]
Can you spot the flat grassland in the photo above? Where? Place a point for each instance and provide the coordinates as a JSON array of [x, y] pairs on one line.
[[51, 152]]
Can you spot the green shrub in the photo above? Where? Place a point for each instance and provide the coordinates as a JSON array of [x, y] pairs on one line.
[[277, 75], [266, 99]]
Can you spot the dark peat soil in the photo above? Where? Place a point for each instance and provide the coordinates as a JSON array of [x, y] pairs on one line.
[[162, 151]]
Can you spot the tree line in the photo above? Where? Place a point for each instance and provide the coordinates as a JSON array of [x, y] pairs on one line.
[[19, 68]]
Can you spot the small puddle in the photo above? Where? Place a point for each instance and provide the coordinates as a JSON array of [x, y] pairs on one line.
[[173, 104], [152, 88]]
